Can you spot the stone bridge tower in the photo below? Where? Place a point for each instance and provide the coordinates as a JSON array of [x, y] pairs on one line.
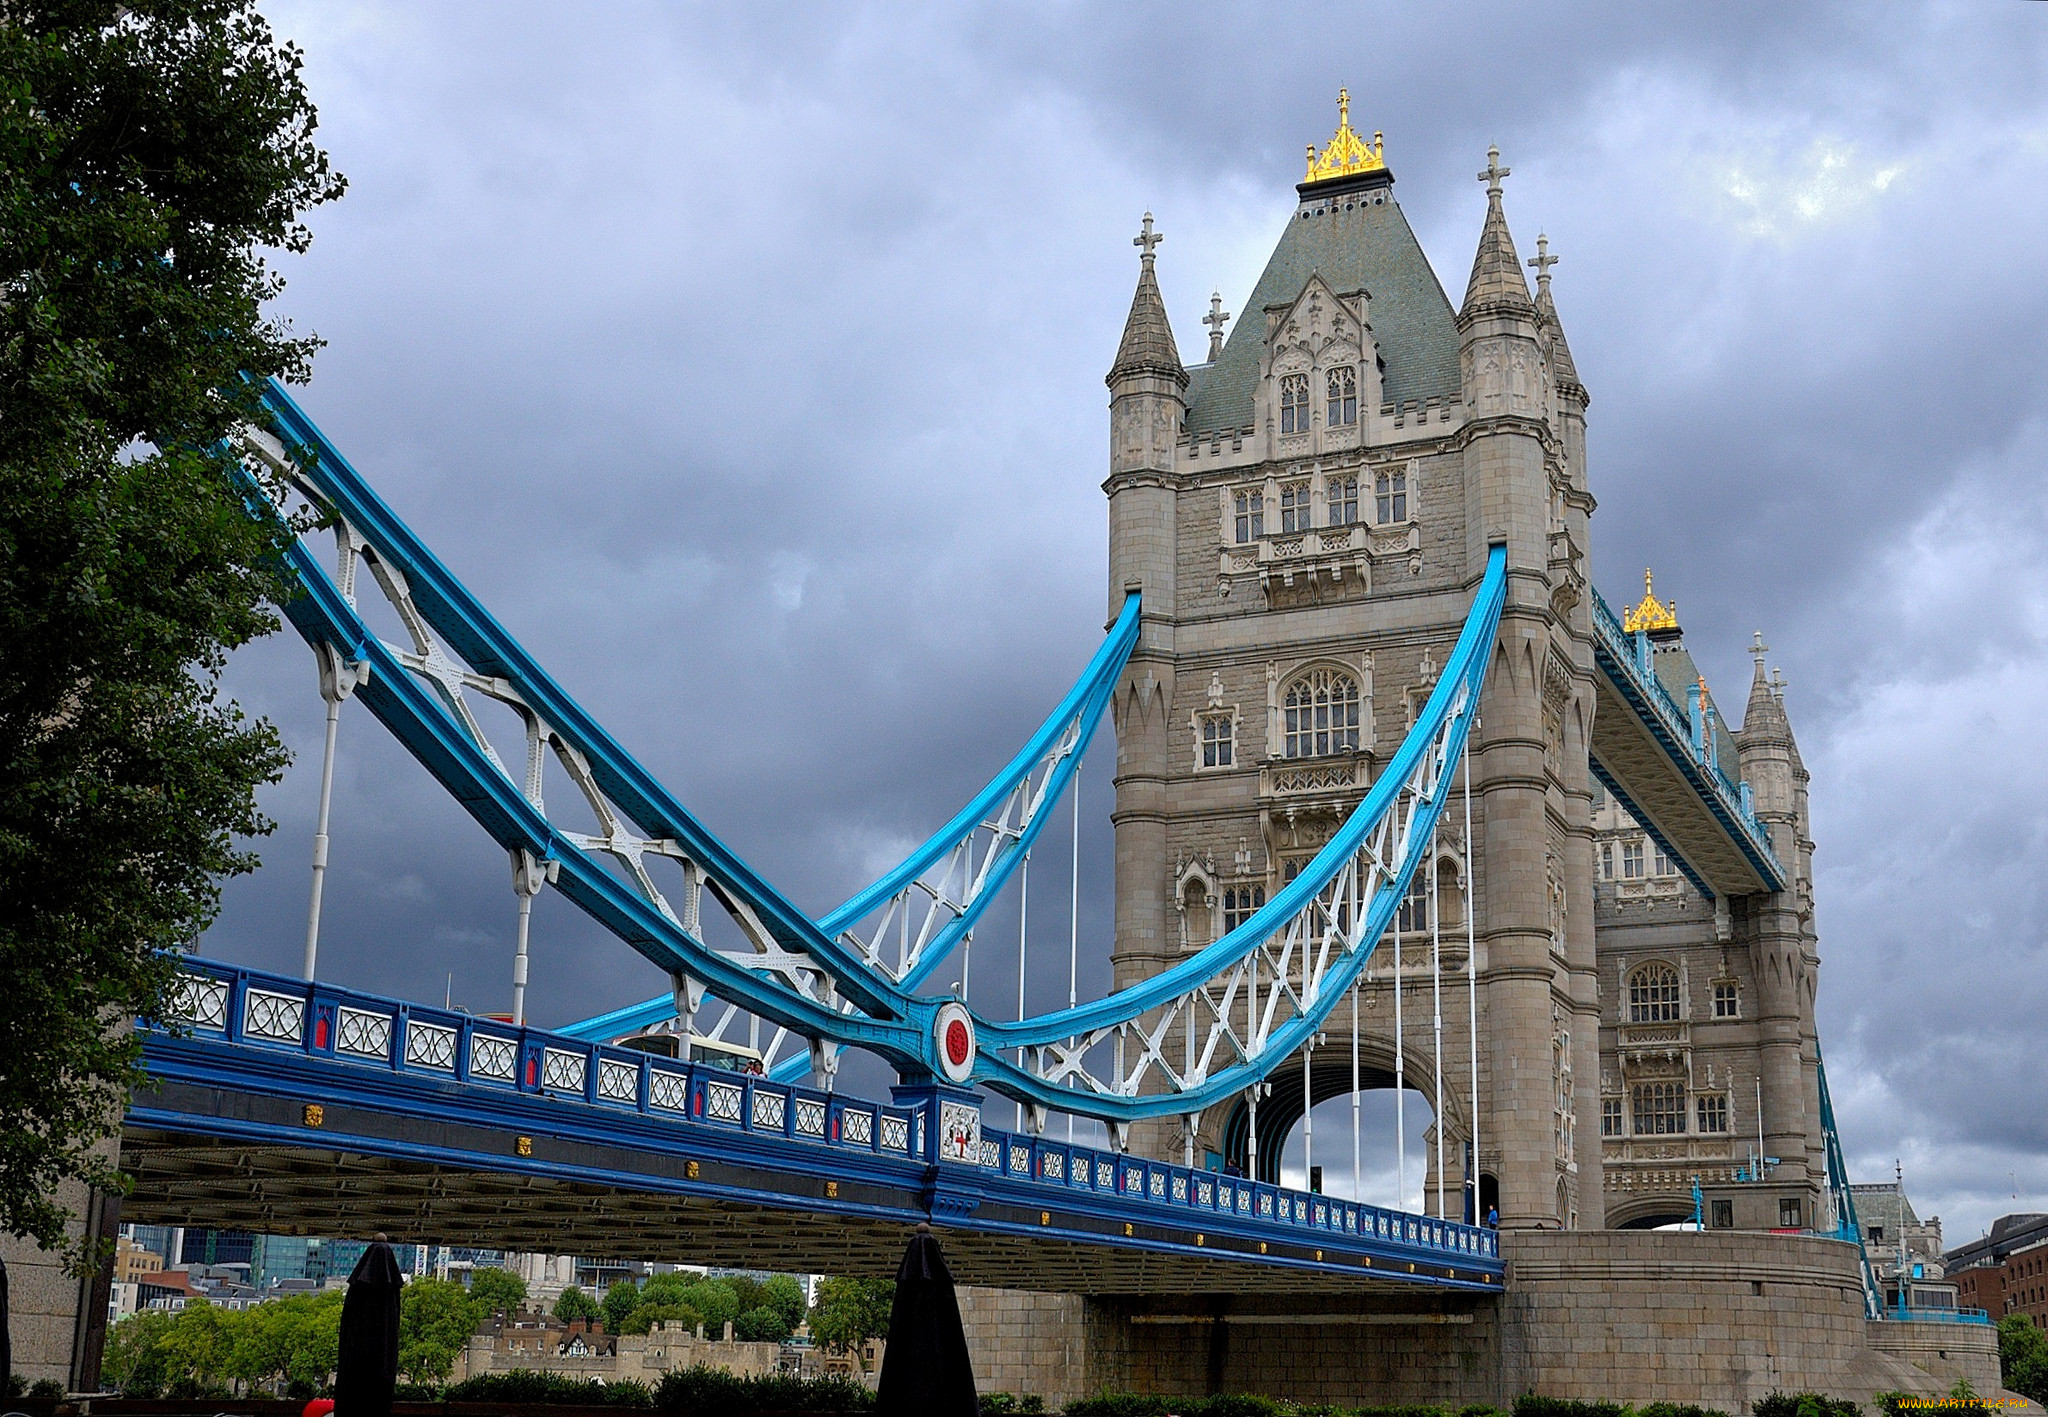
[[1307, 514]]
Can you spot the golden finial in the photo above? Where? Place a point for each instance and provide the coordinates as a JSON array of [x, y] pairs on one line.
[[1347, 153], [1650, 613]]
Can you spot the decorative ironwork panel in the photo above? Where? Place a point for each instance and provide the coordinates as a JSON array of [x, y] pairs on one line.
[[1266, 1207], [363, 1033], [1020, 1160], [769, 1110], [1322, 1215], [1180, 1190], [278, 1016], [1052, 1166], [563, 1070], [1244, 1201], [857, 1127], [429, 1045], [810, 1117], [620, 1082], [201, 1001], [491, 1057], [1079, 1173], [895, 1133], [992, 1155], [722, 1101], [1205, 1194], [668, 1091], [1157, 1185]]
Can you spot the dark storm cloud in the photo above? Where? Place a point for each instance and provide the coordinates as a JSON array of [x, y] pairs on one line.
[[747, 363]]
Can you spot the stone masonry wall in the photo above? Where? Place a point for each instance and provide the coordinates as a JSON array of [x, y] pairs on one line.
[[1632, 1316]]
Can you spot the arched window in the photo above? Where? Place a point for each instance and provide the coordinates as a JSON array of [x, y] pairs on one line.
[[1343, 391], [1321, 714], [1659, 1109], [1653, 995], [1342, 494], [1197, 916], [1294, 403]]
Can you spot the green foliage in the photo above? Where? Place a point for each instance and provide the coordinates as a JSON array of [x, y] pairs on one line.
[[849, 1312], [784, 1293], [548, 1389], [1804, 1404], [1010, 1404], [646, 1316], [45, 1388], [1127, 1404], [1678, 1409], [761, 1325], [150, 155], [494, 1289], [2023, 1357], [715, 1300], [708, 1392], [666, 1288], [435, 1319], [295, 1341], [619, 1301], [1531, 1404], [574, 1304], [133, 1360]]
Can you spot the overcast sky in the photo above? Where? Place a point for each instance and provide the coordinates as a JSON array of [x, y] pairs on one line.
[[747, 362]]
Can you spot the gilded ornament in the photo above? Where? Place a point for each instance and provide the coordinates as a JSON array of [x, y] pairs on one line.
[[1650, 613], [1347, 153]]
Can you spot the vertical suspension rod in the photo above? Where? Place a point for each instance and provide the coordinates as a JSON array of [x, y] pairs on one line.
[[1472, 972], [1074, 918], [1436, 990], [1023, 936]]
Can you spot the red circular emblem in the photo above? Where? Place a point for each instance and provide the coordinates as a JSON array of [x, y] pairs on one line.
[[958, 1046]]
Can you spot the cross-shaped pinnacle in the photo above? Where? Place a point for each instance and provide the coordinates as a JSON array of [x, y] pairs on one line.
[[1216, 319], [1494, 172], [1542, 261], [1147, 239], [1758, 649]]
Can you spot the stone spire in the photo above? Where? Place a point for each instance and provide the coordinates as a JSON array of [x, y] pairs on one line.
[[1763, 719], [1561, 366], [1147, 346], [1497, 283]]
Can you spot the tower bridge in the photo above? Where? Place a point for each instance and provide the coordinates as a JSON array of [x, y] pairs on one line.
[[1400, 802]]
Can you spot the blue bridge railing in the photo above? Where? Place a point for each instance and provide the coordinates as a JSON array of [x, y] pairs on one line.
[[1690, 729], [254, 1010]]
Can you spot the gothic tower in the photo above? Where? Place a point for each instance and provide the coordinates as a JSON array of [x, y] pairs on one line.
[[1307, 515]]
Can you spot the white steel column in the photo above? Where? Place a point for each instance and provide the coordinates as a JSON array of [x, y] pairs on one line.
[[1436, 990], [1400, 1082], [1471, 894], [338, 679], [1023, 934], [528, 876], [1074, 918]]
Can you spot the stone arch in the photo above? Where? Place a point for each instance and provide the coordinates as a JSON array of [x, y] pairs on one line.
[[1330, 1077]]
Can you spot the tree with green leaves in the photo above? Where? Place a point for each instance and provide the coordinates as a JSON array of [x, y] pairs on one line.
[[646, 1316], [714, 1299], [496, 1290], [2023, 1357], [761, 1325], [784, 1293], [849, 1312], [574, 1304], [619, 1302], [151, 153], [435, 1319]]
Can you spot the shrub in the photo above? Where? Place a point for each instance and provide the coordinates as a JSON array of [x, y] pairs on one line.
[[1803, 1404], [45, 1387], [1127, 1404], [1530, 1404], [709, 1392], [1010, 1404], [543, 1389], [648, 1315], [1679, 1409], [416, 1392]]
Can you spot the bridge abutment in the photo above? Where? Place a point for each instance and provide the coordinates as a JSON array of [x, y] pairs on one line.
[[1633, 1316]]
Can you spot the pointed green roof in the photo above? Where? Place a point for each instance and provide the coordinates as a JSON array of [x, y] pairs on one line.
[[1355, 240]]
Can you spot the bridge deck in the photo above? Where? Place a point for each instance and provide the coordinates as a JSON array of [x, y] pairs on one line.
[[1653, 755], [289, 1107]]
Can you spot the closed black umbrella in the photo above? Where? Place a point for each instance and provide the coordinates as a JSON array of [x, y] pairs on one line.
[[925, 1369], [367, 1369]]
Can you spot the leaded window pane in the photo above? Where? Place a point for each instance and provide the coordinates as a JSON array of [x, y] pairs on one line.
[[1653, 994], [1659, 1109], [1343, 499], [1390, 490], [1343, 397], [1294, 507], [1294, 403], [1321, 715], [1251, 516]]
